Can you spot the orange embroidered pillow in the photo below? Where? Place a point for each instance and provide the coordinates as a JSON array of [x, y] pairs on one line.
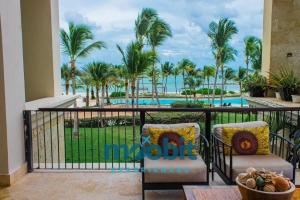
[[247, 141], [174, 137]]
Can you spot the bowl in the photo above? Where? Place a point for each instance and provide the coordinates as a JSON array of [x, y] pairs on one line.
[[252, 194]]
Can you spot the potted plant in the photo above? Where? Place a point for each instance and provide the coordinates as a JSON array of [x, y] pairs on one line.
[[256, 85], [286, 82]]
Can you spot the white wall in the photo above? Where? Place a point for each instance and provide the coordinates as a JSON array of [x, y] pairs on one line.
[[12, 88]]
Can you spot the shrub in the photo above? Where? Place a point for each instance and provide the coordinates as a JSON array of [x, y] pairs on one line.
[[118, 94], [204, 91], [187, 104]]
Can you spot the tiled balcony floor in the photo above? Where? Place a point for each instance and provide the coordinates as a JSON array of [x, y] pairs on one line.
[[85, 186]]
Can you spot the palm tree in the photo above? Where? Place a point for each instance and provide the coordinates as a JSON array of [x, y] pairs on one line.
[[208, 71], [220, 33], [136, 62], [66, 75], [186, 66], [123, 74], [256, 57], [166, 70], [153, 73], [229, 75], [194, 82], [176, 73], [86, 80], [250, 46], [158, 33], [240, 77], [99, 72], [74, 44], [227, 54]]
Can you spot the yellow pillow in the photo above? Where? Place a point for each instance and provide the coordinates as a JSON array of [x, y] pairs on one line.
[[247, 141], [188, 134]]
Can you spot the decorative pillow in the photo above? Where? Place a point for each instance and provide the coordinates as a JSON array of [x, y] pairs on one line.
[[247, 141], [174, 135]]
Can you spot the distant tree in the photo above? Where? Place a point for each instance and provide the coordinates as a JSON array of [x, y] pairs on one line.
[[250, 43], [208, 71], [176, 73], [166, 70], [74, 44], [240, 77], [220, 33], [186, 66], [66, 75]]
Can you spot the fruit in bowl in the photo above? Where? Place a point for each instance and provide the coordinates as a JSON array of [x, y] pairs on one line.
[[263, 184]]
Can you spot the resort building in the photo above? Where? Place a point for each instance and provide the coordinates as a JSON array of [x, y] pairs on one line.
[[30, 79]]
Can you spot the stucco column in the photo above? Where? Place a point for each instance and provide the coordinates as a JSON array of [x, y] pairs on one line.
[[40, 24], [281, 36], [12, 93]]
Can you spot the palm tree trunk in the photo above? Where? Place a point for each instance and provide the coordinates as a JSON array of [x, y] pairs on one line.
[[215, 82], [92, 93], [137, 92], [102, 95], [152, 88], [127, 92], [240, 84], [208, 90], [166, 87], [67, 87], [132, 92], [107, 96], [175, 84], [222, 87], [87, 98], [97, 95], [73, 66], [156, 92], [184, 89], [247, 66]]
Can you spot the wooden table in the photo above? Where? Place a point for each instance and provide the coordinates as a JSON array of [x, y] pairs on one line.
[[219, 193]]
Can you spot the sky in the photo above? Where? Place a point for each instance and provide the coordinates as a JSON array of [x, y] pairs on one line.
[[112, 21]]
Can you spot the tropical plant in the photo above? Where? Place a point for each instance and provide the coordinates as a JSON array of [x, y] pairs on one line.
[[256, 84], [220, 34], [176, 73], [229, 75], [240, 77], [250, 43], [194, 82], [74, 44], [154, 74], [286, 82], [166, 70], [208, 71], [99, 72], [256, 57], [66, 75], [186, 66], [86, 79], [136, 63]]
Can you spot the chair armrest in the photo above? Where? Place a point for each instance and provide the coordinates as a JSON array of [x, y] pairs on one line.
[[221, 141], [283, 147]]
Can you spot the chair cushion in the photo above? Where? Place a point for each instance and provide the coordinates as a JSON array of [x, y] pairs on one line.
[[247, 138], [269, 162], [175, 171], [160, 127]]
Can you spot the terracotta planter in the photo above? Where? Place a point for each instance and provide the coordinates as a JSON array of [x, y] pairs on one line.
[[257, 91]]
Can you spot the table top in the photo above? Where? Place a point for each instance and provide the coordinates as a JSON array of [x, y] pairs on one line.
[[219, 193]]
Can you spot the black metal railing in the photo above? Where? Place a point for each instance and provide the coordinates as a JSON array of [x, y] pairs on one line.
[[108, 138]]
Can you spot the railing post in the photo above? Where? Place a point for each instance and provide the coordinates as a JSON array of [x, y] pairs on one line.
[[28, 140], [208, 126]]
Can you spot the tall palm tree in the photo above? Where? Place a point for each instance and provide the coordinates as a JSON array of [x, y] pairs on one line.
[[136, 62], [208, 71], [123, 74], [158, 33], [194, 82], [227, 54], [154, 74], [240, 77], [176, 73], [220, 34], [166, 70], [250, 46], [75, 44], [66, 75]]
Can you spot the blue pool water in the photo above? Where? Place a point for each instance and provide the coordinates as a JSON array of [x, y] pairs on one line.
[[236, 101]]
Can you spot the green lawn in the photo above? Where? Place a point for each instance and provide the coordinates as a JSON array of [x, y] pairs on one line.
[[90, 145]]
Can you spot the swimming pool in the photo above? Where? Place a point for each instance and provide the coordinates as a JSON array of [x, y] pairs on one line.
[[235, 101]]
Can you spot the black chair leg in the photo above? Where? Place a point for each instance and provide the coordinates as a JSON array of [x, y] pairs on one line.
[[143, 194], [212, 174]]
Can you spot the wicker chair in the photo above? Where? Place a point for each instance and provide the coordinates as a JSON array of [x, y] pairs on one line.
[[197, 170], [282, 157]]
